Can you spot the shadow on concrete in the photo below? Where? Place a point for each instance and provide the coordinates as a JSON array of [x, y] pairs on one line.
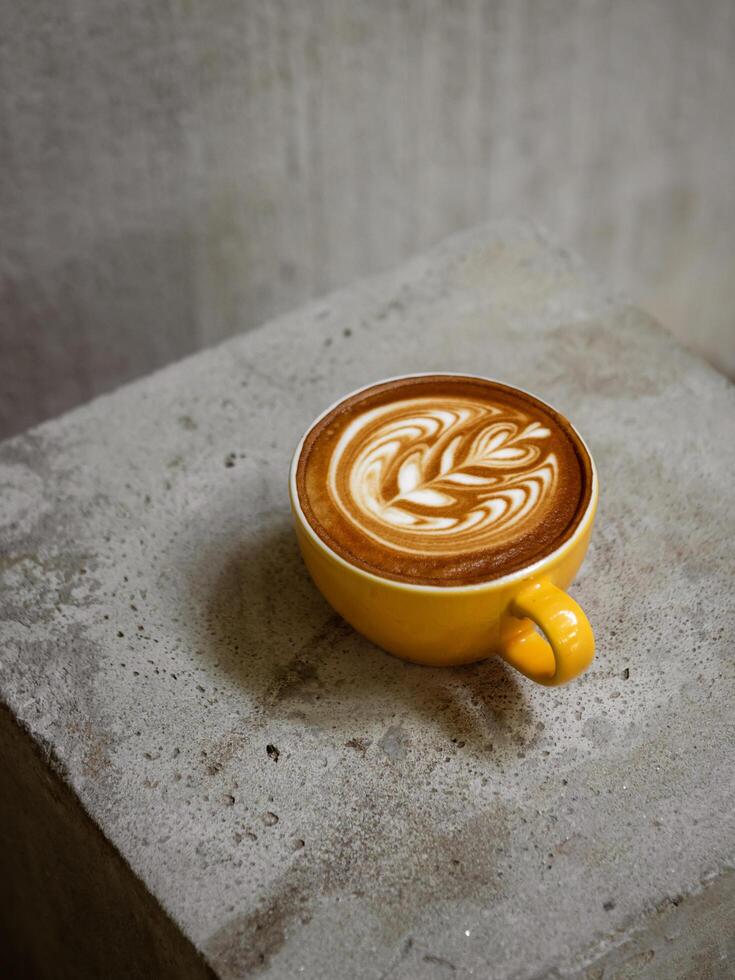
[[270, 630]]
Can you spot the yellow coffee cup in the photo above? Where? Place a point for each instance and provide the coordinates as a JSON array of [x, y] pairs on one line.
[[525, 617]]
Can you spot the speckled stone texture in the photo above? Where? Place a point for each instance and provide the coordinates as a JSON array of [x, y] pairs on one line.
[[301, 803]]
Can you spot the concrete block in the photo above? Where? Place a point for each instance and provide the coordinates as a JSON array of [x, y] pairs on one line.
[[292, 801]]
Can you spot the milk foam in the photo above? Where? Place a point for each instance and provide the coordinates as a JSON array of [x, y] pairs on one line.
[[441, 477]]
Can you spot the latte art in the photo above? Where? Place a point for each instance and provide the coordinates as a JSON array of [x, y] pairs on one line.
[[443, 479]]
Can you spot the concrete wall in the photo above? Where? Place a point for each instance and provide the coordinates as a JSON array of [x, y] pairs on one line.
[[174, 172]]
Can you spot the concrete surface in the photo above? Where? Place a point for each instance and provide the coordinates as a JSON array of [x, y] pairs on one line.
[[69, 905], [174, 175], [300, 803]]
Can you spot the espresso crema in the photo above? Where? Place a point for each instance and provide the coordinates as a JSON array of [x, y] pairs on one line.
[[443, 480]]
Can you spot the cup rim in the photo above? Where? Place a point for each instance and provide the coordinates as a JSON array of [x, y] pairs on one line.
[[520, 574]]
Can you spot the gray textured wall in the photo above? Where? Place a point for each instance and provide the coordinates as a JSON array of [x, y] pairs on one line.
[[175, 171]]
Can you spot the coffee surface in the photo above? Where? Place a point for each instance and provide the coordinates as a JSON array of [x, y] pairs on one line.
[[443, 480]]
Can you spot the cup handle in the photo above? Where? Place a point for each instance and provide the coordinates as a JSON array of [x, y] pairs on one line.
[[568, 644]]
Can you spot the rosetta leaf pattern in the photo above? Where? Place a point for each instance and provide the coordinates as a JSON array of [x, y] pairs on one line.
[[431, 479], [496, 451]]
